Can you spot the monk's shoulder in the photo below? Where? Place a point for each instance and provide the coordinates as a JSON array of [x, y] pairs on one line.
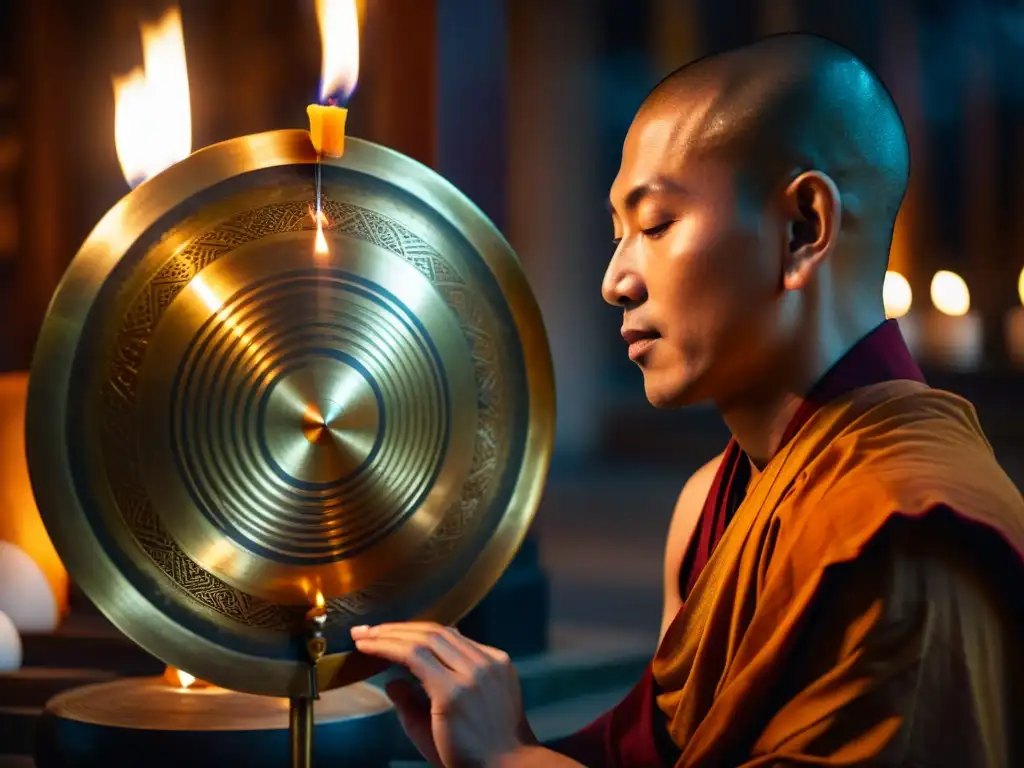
[[686, 513], [695, 490], [685, 517], [897, 466], [914, 455]]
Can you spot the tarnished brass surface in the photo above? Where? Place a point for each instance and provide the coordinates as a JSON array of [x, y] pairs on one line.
[[149, 703], [223, 423]]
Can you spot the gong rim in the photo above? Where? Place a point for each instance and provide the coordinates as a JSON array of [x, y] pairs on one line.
[[58, 497]]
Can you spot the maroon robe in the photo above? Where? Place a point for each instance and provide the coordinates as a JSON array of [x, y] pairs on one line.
[[634, 733]]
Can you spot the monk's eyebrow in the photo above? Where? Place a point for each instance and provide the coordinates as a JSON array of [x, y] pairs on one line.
[[637, 194]]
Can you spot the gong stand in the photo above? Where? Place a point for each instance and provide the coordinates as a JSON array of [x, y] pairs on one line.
[[300, 708], [233, 416]]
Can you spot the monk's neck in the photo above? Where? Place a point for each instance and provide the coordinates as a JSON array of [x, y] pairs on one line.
[[759, 417], [759, 426]]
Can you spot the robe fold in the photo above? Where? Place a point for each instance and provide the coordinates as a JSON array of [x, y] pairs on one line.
[[855, 612], [823, 608]]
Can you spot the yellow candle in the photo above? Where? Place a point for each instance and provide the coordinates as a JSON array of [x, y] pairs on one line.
[[327, 129]]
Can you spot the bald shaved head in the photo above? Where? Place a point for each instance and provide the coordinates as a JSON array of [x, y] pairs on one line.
[[790, 103], [753, 211]]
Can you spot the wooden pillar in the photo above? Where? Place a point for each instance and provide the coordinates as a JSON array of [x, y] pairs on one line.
[[472, 101], [471, 92], [675, 34], [397, 78], [856, 25], [10, 173], [901, 70], [43, 248], [1009, 171], [777, 16], [558, 225], [983, 270], [253, 74], [727, 25]]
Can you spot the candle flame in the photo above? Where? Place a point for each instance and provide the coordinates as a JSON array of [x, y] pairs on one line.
[[179, 677], [896, 295], [152, 113], [339, 39], [950, 294], [1020, 286], [318, 612]]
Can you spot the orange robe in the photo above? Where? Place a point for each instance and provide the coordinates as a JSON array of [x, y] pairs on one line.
[[848, 616]]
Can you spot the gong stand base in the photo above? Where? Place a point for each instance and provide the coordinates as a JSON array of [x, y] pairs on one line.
[[147, 722]]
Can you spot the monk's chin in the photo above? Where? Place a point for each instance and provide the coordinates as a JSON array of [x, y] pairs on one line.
[[676, 394]]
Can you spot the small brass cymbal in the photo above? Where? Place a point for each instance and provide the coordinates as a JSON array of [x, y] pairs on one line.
[[224, 423]]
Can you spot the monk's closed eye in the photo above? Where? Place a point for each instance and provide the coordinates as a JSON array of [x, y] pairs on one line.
[[658, 230]]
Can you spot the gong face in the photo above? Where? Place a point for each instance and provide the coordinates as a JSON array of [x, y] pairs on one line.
[[226, 422], [311, 423]]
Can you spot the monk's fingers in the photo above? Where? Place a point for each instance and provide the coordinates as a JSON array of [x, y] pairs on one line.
[[447, 643], [471, 648], [438, 678], [386, 626], [496, 655]]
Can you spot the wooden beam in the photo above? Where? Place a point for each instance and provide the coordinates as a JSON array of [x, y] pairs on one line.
[[472, 101]]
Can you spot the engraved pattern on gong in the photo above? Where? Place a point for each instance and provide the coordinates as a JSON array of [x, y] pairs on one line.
[[142, 316], [280, 362]]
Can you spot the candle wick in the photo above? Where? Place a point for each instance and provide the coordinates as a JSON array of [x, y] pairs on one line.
[[318, 208]]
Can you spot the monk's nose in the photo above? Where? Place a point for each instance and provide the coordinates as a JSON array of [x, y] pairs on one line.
[[623, 287]]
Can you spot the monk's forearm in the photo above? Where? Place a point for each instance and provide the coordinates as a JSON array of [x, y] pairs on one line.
[[531, 753], [532, 756]]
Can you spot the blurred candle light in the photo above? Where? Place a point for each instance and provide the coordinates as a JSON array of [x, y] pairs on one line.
[[896, 295], [32, 576], [951, 335], [180, 681], [10, 645], [152, 112], [898, 298], [1015, 327]]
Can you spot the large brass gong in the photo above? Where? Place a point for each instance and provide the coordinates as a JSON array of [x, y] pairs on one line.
[[224, 423]]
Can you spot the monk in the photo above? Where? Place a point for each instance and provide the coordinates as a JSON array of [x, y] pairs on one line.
[[843, 584]]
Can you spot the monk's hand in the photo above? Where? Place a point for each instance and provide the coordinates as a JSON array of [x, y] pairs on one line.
[[472, 712]]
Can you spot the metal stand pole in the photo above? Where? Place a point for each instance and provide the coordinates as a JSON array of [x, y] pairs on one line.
[[300, 709], [300, 731]]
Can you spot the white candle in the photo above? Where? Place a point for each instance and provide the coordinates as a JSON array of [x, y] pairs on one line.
[[950, 334], [25, 593], [10, 645], [953, 341]]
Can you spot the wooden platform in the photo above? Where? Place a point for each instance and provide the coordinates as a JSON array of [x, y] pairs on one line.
[[85, 649], [585, 664]]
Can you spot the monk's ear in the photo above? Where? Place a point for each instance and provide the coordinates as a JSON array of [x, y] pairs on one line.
[[813, 210]]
